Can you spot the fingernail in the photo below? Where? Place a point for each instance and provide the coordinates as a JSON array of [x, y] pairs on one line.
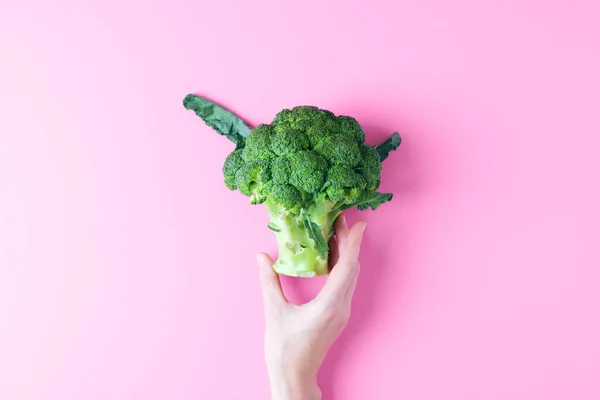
[[364, 226]]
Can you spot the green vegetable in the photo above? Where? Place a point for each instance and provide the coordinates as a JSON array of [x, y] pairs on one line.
[[306, 167], [384, 148], [218, 118]]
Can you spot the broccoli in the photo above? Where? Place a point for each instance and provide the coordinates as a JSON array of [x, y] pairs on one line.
[[306, 167]]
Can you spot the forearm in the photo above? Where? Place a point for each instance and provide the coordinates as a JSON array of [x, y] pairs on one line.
[[291, 386]]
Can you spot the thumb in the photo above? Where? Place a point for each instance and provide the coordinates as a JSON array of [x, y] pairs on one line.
[[269, 282]]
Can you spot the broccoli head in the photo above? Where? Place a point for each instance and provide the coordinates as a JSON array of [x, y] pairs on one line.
[[306, 167]]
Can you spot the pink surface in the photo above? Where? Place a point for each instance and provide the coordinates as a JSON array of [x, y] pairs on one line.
[[127, 269]]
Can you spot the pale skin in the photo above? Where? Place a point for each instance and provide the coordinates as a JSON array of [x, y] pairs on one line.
[[297, 337]]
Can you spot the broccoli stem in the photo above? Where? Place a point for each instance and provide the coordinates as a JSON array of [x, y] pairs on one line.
[[298, 255]]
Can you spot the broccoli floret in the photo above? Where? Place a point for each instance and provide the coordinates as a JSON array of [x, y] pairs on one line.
[[281, 169], [370, 167], [286, 196], [258, 144], [233, 163], [352, 128], [288, 141], [302, 117], [252, 180], [321, 129], [306, 167], [308, 171], [339, 149], [344, 184]]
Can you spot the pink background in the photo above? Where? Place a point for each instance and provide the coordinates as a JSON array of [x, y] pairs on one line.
[[127, 268]]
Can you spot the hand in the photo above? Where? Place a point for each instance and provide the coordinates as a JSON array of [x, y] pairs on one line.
[[297, 338]]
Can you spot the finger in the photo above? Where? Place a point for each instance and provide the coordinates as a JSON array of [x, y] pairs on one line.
[[351, 249], [354, 248], [269, 282], [351, 288], [334, 253], [345, 270], [341, 230]]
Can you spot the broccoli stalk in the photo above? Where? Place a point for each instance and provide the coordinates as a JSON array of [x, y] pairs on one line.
[[302, 251], [306, 167]]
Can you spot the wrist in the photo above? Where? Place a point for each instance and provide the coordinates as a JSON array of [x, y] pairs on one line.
[[293, 385]]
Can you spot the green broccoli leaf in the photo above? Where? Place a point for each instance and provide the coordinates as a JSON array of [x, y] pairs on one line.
[[314, 232], [370, 199], [221, 120], [390, 144]]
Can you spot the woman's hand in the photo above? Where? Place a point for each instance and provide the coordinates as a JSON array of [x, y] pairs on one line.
[[297, 338]]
